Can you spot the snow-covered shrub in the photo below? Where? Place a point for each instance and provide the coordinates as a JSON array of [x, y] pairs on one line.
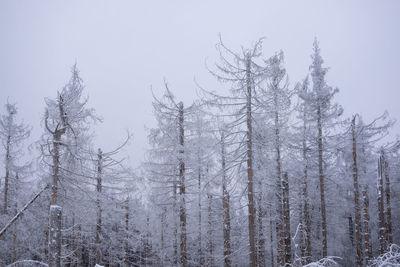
[[390, 258], [325, 262]]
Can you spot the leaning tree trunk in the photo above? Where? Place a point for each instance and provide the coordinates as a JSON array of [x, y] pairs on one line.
[[367, 231], [98, 204], [182, 188], [226, 208], [381, 208], [250, 190], [322, 184], [357, 209]]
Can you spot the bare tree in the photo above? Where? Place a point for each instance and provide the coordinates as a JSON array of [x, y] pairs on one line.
[[244, 74], [12, 134]]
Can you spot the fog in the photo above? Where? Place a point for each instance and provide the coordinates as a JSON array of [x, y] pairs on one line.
[[125, 48]]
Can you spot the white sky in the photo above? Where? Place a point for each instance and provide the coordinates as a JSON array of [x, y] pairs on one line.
[[124, 47]]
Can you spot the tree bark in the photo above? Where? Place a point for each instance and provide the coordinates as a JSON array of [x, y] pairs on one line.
[[175, 241], [389, 235], [199, 249], [226, 207], [98, 204], [357, 209], [351, 230], [306, 211], [250, 190], [322, 184], [55, 236], [79, 247], [6, 177], [367, 231], [381, 208], [271, 237], [126, 245], [286, 214], [210, 246], [15, 231], [261, 238], [182, 188]]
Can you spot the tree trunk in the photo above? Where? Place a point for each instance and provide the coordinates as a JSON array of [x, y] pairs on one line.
[[79, 247], [55, 236], [14, 241], [306, 211], [210, 246], [389, 236], [175, 241], [261, 238], [126, 245], [199, 249], [226, 208], [357, 209], [381, 208], [56, 163], [6, 178], [322, 184], [367, 231], [182, 188], [271, 237], [250, 190], [351, 230], [98, 204], [286, 214]]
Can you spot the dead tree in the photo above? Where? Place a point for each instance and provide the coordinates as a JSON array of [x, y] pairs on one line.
[[14, 239], [226, 206], [244, 74], [367, 231], [357, 208], [271, 238], [286, 216], [305, 153], [381, 207], [210, 245], [388, 212], [351, 230], [326, 114], [261, 238], [11, 135], [55, 236], [175, 239], [99, 208], [250, 189], [6, 177], [182, 187], [199, 245]]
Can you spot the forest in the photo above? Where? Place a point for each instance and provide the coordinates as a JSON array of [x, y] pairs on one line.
[[270, 174]]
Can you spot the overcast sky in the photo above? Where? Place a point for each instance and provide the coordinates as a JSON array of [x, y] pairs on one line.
[[124, 47]]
